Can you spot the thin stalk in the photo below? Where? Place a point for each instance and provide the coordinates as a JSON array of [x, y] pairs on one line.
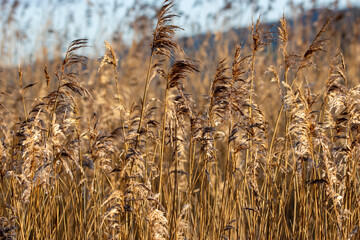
[[143, 102], [162, 147], [22, 92]]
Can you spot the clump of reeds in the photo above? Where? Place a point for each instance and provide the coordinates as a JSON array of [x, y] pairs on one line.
[[209, 150]]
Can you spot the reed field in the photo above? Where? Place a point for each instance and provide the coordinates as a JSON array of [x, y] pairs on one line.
[[251, 134]]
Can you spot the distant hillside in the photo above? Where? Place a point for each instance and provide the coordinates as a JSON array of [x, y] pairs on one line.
[[346, 25]]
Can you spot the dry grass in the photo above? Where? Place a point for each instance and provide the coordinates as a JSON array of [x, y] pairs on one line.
[[212, 149]]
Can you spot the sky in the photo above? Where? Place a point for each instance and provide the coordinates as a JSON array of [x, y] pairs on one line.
[[46, 22]]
